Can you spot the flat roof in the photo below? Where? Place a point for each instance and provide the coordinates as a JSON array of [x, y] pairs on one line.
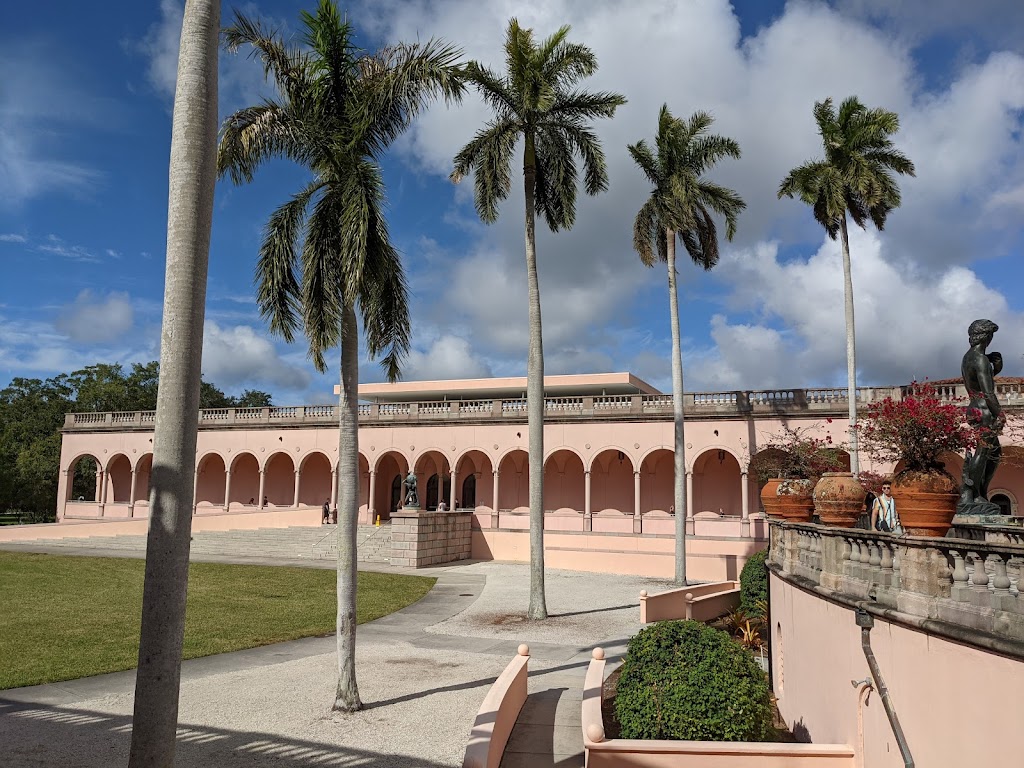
[[574, 385]]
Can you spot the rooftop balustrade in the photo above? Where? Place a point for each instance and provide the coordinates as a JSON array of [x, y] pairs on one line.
[[965, 589], [736, 404]]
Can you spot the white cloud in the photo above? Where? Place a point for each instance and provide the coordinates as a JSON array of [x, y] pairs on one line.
[[241, 355], [240, 81], [12, 238], [449, 357], [91, 319], [911, 323], [964, 135], [39, 109]]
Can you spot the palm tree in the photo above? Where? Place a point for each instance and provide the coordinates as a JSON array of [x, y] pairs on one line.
[[680, 206], [855, 178], [535, 100], [191, 182], [326, 252]]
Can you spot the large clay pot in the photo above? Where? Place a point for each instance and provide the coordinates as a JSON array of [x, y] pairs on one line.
[[925, 501], [795, 499], [839, 499], [769, 497]]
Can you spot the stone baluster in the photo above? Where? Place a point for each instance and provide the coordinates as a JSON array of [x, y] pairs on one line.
[[854, 558], [897, 560], [886, 559], [865, 552], [980, 576], [960, 589], [874, 558], [1013, 566], [1000, 580]]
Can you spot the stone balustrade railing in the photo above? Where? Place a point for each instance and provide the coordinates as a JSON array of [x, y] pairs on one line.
[[655, 407], [969, 589]]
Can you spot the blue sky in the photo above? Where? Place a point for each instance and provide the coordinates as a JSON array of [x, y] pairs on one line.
[[84, 141]]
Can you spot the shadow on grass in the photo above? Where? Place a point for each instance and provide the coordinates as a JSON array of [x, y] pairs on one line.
[[48, 735]]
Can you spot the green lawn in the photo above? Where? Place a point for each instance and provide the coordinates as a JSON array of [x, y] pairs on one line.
[[67, 617]]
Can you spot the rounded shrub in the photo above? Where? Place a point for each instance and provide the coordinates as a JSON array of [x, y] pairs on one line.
[[754, 583], [685, 680]]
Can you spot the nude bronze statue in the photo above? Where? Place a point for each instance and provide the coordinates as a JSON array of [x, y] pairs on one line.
[[979, 369], [412, 498]]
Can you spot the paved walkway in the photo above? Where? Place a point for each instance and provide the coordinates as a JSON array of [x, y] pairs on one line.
[[423, 672]]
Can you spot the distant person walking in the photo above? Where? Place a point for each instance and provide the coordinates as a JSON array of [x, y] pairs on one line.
[[327, 513]]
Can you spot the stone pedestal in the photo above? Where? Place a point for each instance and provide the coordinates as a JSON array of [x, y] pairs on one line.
[[420, 538]]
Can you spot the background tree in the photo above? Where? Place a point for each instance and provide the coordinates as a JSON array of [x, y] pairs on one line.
[[681, 205], [855, 178], [192, 177], [535, 100], [326, 252], [32, 415]]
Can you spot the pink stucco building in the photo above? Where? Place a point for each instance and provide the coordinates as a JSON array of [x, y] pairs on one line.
[[608, 466]]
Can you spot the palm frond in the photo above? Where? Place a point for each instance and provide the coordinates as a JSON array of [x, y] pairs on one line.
[[489, 157]]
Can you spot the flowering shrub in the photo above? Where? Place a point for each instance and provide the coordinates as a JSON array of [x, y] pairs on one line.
[[872, 481], [917, 429], [796, 455]]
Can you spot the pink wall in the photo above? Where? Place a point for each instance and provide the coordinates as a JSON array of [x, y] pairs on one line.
[[389, 450], [210, 480], [315, 480], [955, 703]]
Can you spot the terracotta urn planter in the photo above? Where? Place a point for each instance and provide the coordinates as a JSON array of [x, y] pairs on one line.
[[839, 499], [795, 500], [925, 501], [769, 497]]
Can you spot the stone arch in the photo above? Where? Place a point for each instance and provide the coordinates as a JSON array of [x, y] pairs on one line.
[[434, 475], [210, 476], [514, 480], [615, 450], [476, 464], [315, 478], [402, 460], [564, 487], [279, 480], [84, 479], [657, 480], [143, 477], [716, 482], [245, 480], [119, 479], [1005, 500], [391, 467], [364, 490], [611, 481]]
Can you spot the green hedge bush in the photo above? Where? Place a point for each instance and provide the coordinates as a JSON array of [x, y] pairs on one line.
[[754, 583], [685, 680]]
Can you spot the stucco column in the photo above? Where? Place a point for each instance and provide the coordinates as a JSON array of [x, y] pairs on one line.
[[64, 490], [451, 497], [227, 490], [636, 501], [298, 478], [373, 492], [195, 490], [259, 499], [131, 496], [744, 504], [334, 488], [494, 501], [588, 515], [689, 502], [99, 485]]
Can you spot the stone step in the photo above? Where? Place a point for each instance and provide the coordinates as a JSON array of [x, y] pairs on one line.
[[296, 542]]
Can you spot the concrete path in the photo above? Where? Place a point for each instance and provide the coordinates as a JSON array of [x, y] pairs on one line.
[[423, 672]]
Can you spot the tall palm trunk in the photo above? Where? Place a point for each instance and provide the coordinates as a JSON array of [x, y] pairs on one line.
[[347, 696], [192, 176], [851, 348], [679, 441], [534, 396]]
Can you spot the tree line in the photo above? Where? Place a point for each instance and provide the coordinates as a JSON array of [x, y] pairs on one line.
[[32, 414]]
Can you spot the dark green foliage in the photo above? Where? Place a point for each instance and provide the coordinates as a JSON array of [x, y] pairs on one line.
[[685, 680], [754, 584], [32, 413]]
